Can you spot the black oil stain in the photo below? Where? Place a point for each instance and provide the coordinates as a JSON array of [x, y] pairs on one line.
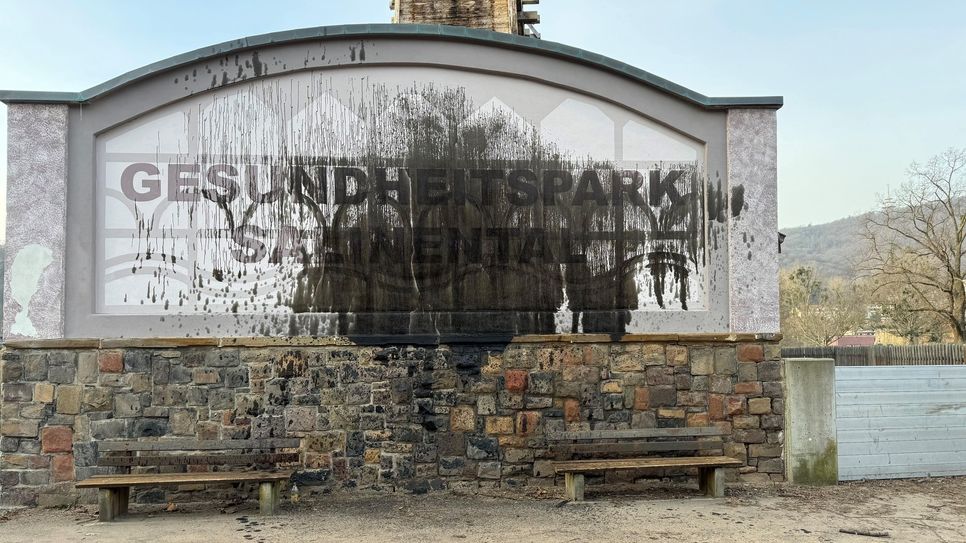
[[257, 64], [737, 200], [479, 226]]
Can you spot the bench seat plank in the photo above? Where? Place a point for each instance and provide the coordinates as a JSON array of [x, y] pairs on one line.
[[144, 479], [578, 466]]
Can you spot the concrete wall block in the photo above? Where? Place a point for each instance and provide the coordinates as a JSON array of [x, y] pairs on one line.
[[810, 430]]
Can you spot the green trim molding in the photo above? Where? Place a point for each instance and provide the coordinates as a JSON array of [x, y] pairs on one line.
[[363, 31]]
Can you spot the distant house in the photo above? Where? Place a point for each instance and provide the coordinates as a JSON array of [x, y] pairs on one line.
[[863, 340]]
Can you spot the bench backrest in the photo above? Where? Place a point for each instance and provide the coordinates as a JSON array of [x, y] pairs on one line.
[[637, 441], [214, 452]]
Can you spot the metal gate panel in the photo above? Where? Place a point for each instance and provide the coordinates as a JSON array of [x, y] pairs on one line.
[[900, 421]]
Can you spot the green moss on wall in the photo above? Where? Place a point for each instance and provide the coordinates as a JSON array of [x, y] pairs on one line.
[[822, 469]]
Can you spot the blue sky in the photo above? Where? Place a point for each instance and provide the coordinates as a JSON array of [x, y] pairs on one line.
[[869, 86]]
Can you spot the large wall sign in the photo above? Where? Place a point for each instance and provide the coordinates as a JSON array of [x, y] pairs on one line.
[[380, 181], [400, 190]]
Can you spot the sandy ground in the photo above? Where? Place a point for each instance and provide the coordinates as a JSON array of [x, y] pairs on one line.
[[911, 510]]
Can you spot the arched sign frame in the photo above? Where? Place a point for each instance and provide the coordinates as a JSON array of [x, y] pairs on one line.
[[95, 113]]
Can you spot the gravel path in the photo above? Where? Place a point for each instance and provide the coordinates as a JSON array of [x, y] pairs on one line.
[[914, 510]]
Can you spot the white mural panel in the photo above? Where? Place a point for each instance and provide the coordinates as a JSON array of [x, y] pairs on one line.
[[397, 192]]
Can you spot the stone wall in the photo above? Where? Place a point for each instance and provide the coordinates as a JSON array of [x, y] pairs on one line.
[[496, 15], [401, 417]]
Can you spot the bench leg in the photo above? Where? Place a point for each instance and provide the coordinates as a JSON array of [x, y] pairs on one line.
[[267, 497], [106, 504], [711, 481], [574, 484], [123, 496]]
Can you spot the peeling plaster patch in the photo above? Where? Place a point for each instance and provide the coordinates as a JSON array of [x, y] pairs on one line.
[[28, 266], [36, 214]]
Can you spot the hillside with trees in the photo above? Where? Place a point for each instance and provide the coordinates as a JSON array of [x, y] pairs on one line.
[[901, 268], [831, 249]]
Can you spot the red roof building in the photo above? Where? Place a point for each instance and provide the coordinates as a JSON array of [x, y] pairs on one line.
[[855, 341]]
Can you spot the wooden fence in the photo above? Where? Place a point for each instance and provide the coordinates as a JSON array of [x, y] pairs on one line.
[[885, 355]]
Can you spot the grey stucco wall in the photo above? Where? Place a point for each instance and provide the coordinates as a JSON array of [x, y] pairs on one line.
[[36, 221], [753, 221]]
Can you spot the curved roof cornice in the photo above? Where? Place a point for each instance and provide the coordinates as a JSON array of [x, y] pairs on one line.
[[441, 32]]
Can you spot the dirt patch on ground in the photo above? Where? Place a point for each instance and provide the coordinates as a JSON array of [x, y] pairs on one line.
[[910, 510]]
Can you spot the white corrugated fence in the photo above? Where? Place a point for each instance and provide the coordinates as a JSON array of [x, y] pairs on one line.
[[900, 421]]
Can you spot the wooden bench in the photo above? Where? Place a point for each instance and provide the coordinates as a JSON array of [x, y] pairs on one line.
[[602, 446], [262, 454]]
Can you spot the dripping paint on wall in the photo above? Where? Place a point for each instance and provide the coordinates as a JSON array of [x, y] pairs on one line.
[[385, 204]]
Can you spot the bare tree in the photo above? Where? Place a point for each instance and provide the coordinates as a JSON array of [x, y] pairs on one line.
[[898, 312], [818, 313], [917, 240]]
